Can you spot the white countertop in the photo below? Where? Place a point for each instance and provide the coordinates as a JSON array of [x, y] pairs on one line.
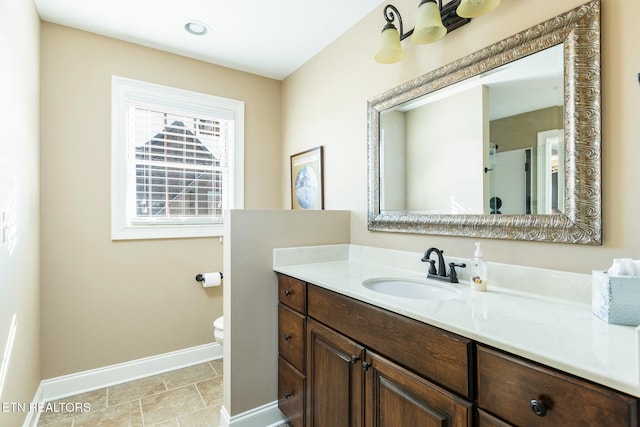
[[542, 315]]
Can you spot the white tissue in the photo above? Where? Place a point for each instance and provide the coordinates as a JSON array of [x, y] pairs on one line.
[[211, 279], [624, 267]]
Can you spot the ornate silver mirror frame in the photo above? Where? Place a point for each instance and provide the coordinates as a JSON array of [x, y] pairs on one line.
[[581, 222]]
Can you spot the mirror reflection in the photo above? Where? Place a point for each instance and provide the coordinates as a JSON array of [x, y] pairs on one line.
[[490, 144], [447, 180]]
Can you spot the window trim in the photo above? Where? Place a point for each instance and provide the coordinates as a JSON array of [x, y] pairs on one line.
[[123, 89]]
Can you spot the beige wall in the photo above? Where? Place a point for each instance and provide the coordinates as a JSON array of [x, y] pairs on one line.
[[521, 131], [106, 302], [19, 161], [251, 295], [325, 101], [450, 128], [393, 157]]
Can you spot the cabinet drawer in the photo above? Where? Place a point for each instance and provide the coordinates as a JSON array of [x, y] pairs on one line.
[[292, 292], [291, 336], [440, 356], [291, 393], [513, 389]]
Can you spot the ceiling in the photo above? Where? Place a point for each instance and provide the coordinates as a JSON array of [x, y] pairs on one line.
[[268, 38]]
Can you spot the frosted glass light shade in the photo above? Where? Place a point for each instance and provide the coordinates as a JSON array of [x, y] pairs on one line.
[[390, 49], [429, 27], [475, 8]]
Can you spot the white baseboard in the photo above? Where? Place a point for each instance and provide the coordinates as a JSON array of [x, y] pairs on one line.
[[263, 416], [81, 382]]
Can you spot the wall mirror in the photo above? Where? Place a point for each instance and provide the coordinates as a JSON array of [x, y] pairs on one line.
[[503, 143]]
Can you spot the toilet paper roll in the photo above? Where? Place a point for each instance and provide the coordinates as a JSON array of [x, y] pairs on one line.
[[211, 279]]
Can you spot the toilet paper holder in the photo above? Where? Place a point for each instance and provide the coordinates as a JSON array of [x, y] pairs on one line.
[[200, 277]]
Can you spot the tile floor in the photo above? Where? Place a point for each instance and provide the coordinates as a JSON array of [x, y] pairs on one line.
[[190, 397]]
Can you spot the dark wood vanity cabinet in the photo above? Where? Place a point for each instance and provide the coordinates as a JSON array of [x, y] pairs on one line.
[[365, 366], [343, 362]]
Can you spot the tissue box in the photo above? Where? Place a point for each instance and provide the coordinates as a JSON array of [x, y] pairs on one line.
[[616, 299]]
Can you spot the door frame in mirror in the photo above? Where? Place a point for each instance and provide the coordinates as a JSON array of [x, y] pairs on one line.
[[581, 221]]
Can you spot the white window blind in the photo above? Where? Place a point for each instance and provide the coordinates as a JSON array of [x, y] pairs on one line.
[[179, 164], [178, 159]]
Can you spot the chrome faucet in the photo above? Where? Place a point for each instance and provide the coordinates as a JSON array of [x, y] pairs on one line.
[[441, 272]]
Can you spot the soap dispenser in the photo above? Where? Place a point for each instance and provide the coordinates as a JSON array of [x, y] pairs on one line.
[[478, 271]]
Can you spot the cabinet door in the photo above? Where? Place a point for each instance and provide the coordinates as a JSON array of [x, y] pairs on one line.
[[395, 397], [334, 378], [485, 419]]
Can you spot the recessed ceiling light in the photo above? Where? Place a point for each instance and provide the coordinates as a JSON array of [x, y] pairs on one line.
[[196, 28]]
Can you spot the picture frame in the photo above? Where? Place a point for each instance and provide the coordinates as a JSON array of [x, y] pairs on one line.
[[307, 181]]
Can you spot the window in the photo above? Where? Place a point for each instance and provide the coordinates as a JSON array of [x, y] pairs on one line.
[[177, 161]]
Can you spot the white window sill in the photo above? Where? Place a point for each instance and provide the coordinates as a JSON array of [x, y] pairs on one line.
[[166, 231]]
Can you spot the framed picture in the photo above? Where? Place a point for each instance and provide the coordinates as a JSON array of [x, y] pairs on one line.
[[307, 190]]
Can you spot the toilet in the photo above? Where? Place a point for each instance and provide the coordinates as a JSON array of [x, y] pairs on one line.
[[218, 329]]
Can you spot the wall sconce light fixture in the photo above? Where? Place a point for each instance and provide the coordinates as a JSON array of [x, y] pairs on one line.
[[433, 22]]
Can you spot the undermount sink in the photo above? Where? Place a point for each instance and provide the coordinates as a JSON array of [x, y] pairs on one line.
[[407, 288]]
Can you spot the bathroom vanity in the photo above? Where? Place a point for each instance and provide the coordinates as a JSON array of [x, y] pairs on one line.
[[349, 355]]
